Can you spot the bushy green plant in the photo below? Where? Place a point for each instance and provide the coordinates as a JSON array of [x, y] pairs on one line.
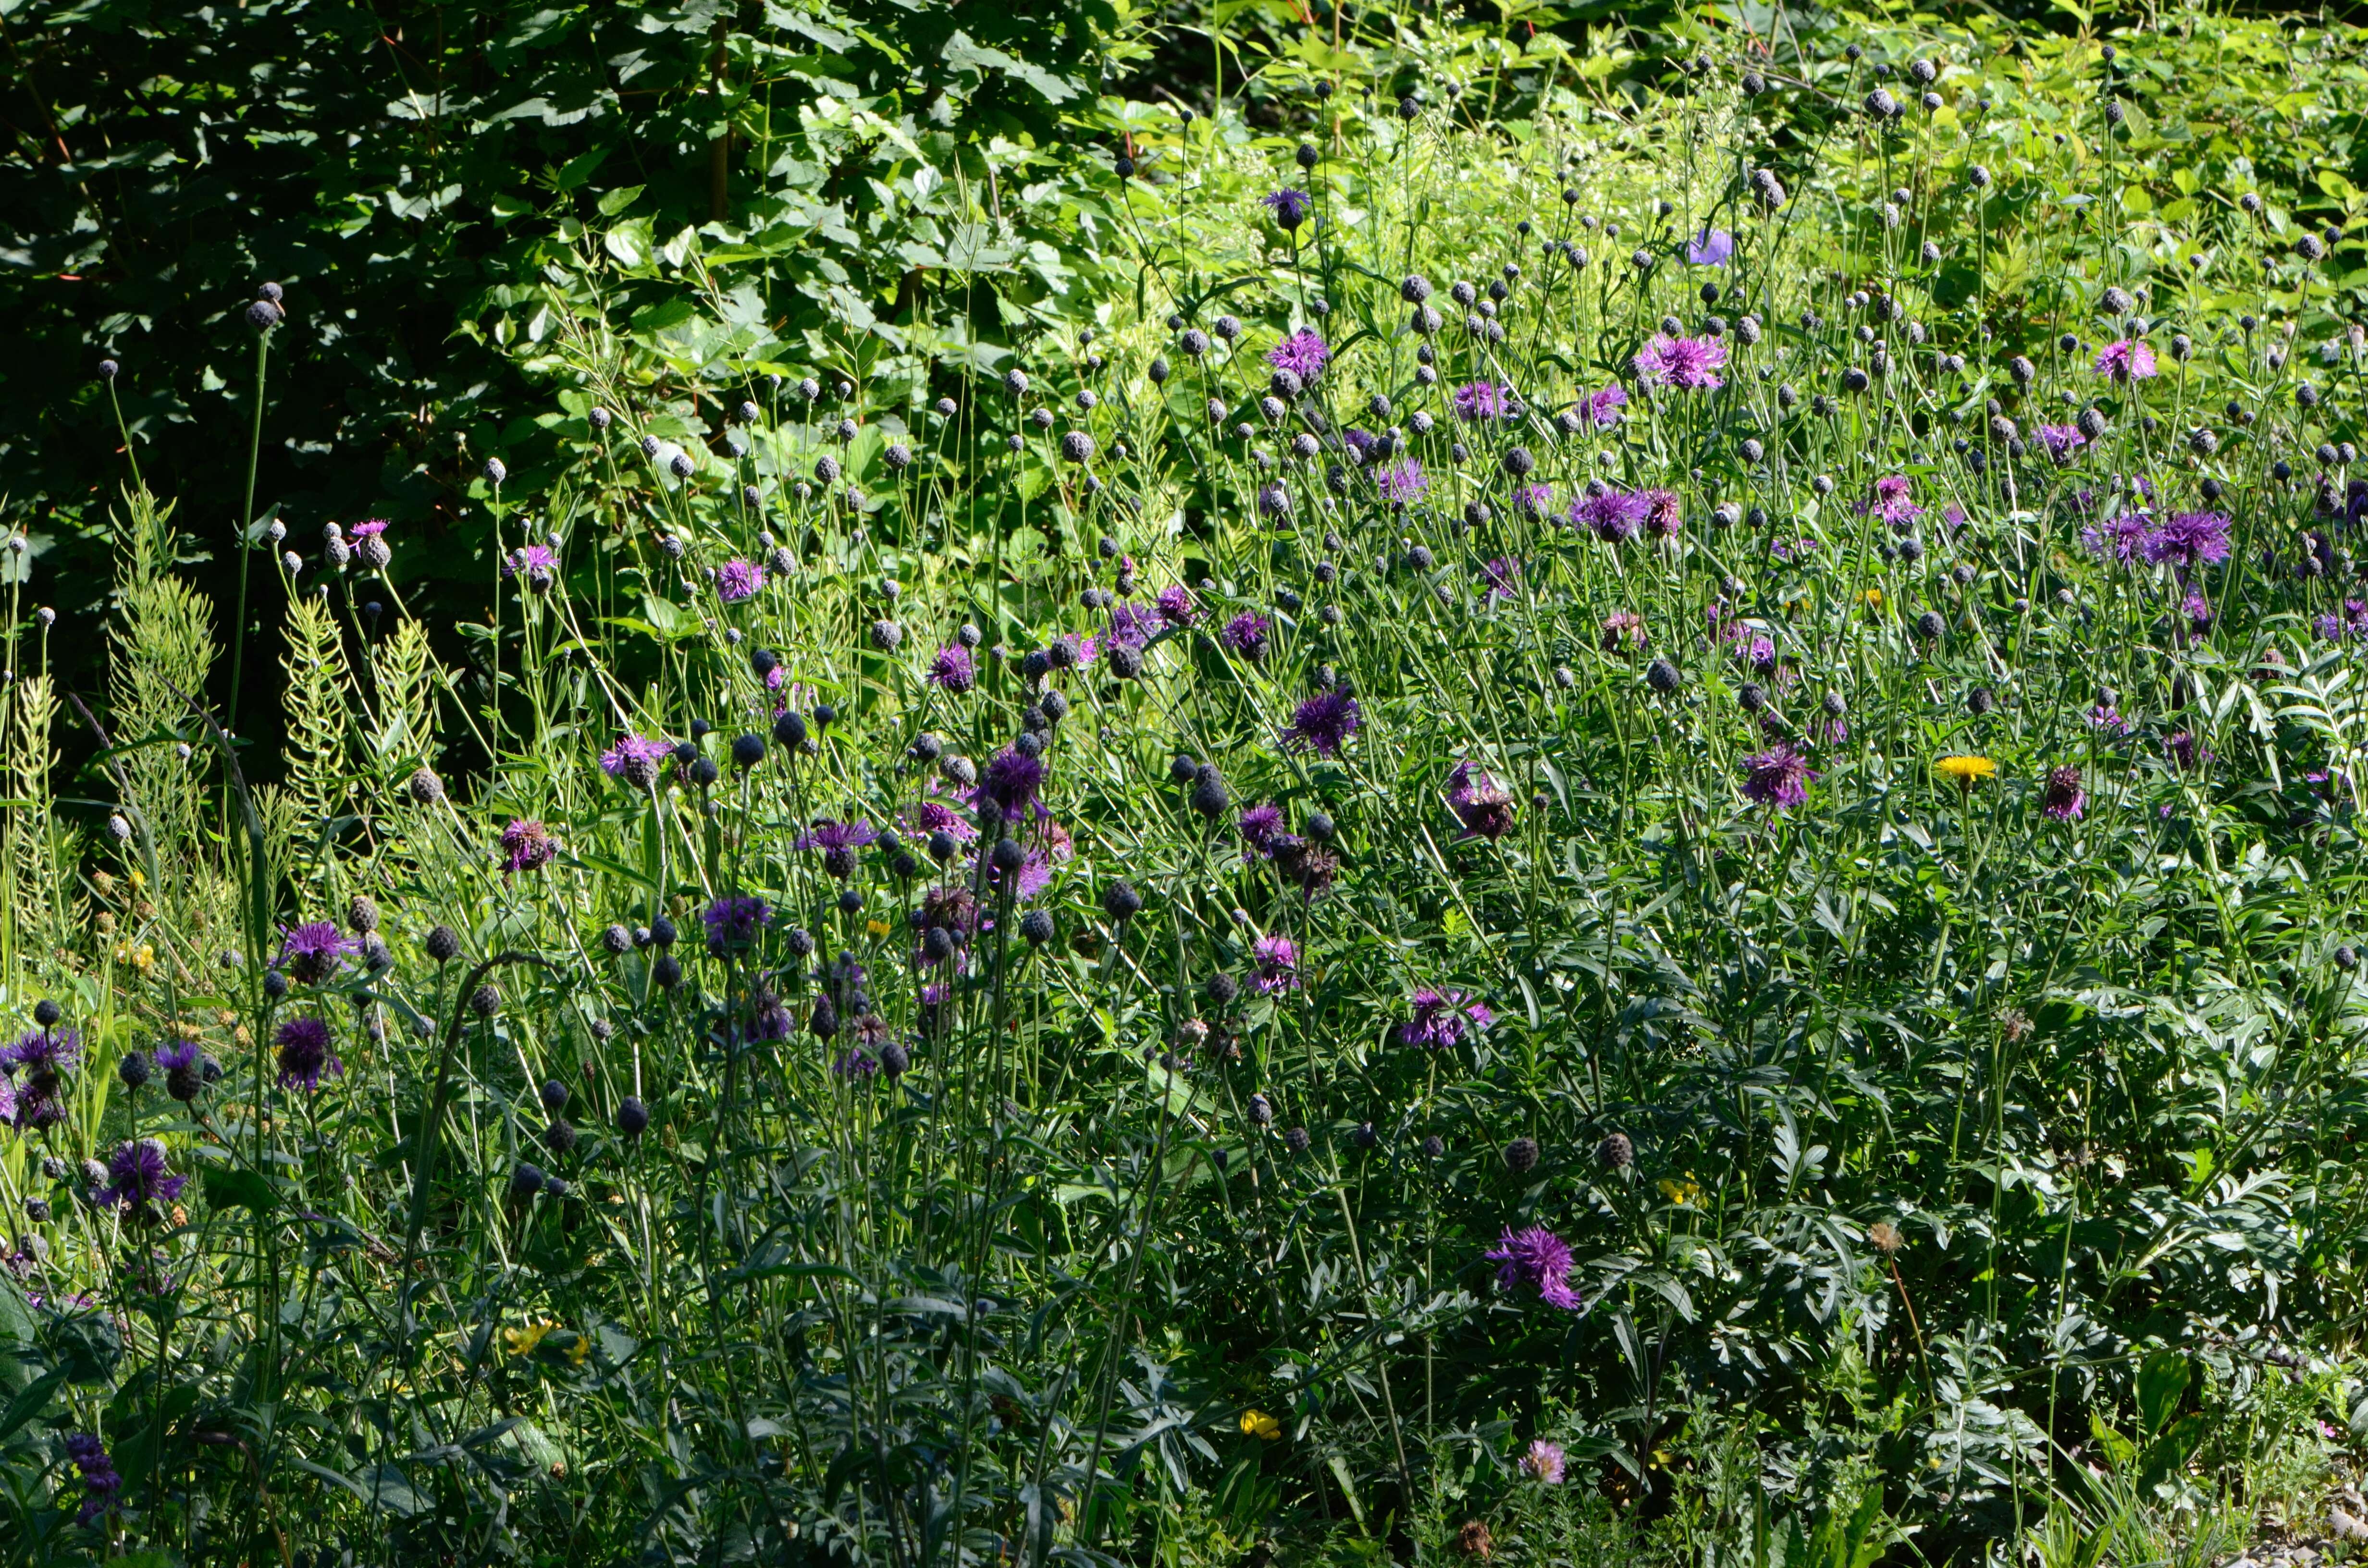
[[1263, 920]]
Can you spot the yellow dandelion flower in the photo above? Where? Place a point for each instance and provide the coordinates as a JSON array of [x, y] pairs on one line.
[[877, 926], [1259, 1424], [1873, 597], [1967, 771], [522, 1341]]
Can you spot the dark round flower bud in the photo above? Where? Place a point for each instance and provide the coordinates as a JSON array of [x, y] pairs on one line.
[[2347, 959], [1615, 1152], [1521, 1155], [560, 1136], [47, 1013], [133, 1068], [275, 984], [1662, 676], [633, 1117], [486, 1000], [747, 751], [1121, 901], [526, 1180], [1036, 925], [1297, 1141]]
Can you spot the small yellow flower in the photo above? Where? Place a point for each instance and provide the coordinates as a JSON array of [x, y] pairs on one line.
[[1686, 1194], [877, 926], [1967, 771], [138, 880], [1873, 597], [1259, 1424], [141, 957], [579, 1350], [522, 1341]]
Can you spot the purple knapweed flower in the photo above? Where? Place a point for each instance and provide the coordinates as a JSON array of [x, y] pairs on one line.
[[737, 581], [2126, 359], [1503, 575], [2186, 751], [1711, 247], [1259, 825], [1289, 207], [838, 841], [527, 845], [1894, 500], [1324, 722], [2105, 717], [1624, 632], [2189, 539], [2063, 799], [953, 670], [1481, 804], [1277, 960], [732, 920], [1777, 777], [1177, 607], [1664, 513], [1533, 500], [1439, 1018], [1615, 516], [2061, 440], [536, 564], [1537, 1259], [311, 953], [2125, 536], [306, 1053], [139, 1179], [1011, 781], [369, 527], [638, 760], [1603, 406], [1245, 634], [1304, 354], [1134, 625], [1482, 400], [934, 817], [1686, 363], [1403, 480]]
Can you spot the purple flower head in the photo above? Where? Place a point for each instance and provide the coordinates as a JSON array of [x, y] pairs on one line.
[[1134, 625], [1482, 400], [1624, 632], [734, 920], [1245, 634], [1361, 443], [2126, 359], [312, 953], [1176, 605], [1664, 513], [1711, 247], [1504, 576], [1894, 500], [2352, 623], [953, 670], [1274, 502], [737, 581], [1324, 722], [306, 1053], [1615, 516], [2189, 539], [1544, 1462], [1011, 781], [1603, 407], [138, 1178], [2125, 536], [1533, 500], [1277, 958], [853, 1063], [2198, 611], [178, 1055], [1536, 1259], [43, 1053], [1439, 1018], [1483, 805], [638, 760], [7, 1101], [100, 1483], [369, 527], [1403, 480], [2063, 799], [2061, 440], [536, 564], [1686, 363], [1777, 777], [838, 841], [2185, 751], [2108, 719], [527, 845], [934, 817], [1259, 826], [1288, 207], [1304, 354]]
